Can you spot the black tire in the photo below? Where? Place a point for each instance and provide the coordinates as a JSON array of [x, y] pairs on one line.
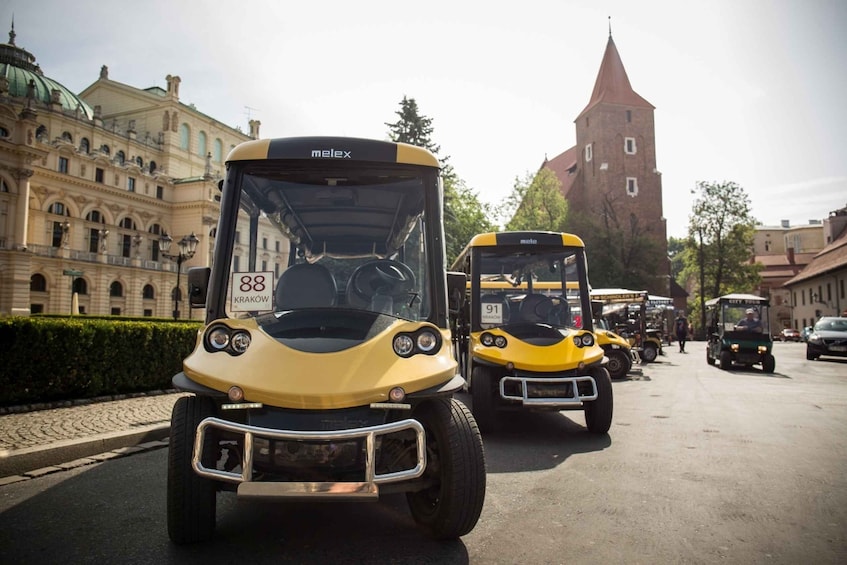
[[726, 360], [619, 363], [649, 353], [709, 359], [484, 394], [598, 413], [810, 356], [191, 498], [450, 507], [768, 363]]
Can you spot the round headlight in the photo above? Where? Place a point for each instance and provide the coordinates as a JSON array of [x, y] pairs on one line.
[[240, 342], [397, 394], [403, 345], [487, 339], [235, 394], [587, 340], [427, 341], [500, 341], [577, 341], [219, 338]]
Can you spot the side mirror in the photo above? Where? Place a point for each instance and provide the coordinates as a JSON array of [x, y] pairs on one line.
[[198, 285], [456, 283]]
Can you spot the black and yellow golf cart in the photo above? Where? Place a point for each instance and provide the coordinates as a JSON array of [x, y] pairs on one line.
[[739, 332], [525, 338], [330, 375]]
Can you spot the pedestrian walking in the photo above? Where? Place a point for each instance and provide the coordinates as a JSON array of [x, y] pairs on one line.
[[681, 327]]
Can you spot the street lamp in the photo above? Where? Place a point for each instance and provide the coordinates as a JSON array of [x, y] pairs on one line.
[[187, 247]]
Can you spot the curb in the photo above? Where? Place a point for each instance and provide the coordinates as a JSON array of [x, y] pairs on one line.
[[22, 464]]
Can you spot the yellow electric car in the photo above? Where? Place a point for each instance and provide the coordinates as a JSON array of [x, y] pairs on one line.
[[525, 336], [330, 375]]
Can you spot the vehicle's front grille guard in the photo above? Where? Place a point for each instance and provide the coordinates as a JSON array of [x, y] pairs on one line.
[[368, 433], [577, 399]]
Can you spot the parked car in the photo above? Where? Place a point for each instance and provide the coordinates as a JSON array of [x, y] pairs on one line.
[[789, 334], [829, 337]]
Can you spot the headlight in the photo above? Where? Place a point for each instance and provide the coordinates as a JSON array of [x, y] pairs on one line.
[[240, 342], [587, 340], [427, 341], [487, 339], [500, 341], [403, 345], [814, 339], [219, 338], [223, 338]]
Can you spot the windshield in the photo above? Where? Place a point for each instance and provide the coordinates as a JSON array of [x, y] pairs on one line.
[[538, 285], [745, 317], [831, 325], [352, 240]]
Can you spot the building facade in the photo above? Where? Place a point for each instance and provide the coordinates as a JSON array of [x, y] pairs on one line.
[[610, 176], [91, 183]]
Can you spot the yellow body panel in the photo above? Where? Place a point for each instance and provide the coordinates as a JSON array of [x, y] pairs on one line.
[[249, 150], [414, 155], [490, 240], [605, 337], [562, 356], [274, 374]]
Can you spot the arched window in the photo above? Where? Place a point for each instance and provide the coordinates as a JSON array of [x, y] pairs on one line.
[[153, 167], [59, 209], [105, 149], [66, 135], [201, 144], [140, 162], [120, 157], [41, 133], [127, 223], [3, 186], [84, 145], [37, 283], [80, 286], [96, 217], [218, 151], [148, 293], [116, 289], [4, 132], [184, 136]]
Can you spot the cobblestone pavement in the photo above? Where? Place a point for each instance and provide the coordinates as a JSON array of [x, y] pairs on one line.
[[43, 427]]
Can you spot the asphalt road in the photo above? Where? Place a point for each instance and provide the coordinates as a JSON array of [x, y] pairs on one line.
[[700, 466]]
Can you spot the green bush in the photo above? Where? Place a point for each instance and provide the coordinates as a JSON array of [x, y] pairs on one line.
[[49, 359]]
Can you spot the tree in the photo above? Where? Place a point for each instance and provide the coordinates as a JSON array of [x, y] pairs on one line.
[[464, 214], [676, 254], [536, 203], [720, 243]]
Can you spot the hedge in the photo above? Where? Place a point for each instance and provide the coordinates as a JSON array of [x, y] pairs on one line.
[[53, 359]]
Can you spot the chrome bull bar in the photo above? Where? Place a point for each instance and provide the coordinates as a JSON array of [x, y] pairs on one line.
[[526, 383], [366, 489]]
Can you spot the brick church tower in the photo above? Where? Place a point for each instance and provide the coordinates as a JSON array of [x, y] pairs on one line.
[[610, 177]]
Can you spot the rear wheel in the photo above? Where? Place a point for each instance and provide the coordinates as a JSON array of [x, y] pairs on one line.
[[726, 360], [650, 352], [451, 506], [484, 397], [598, 413], [191, 498], [768, 363], [709, 359], [619, 363]]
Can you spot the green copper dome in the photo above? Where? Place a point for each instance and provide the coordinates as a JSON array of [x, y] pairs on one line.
[[25, 79]]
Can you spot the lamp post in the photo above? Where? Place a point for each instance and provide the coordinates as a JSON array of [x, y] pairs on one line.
[[187, 247]]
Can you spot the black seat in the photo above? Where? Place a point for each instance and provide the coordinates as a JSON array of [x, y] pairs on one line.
[[306, 286]]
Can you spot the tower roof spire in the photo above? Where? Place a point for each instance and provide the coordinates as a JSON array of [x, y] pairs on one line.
[[612, 85]]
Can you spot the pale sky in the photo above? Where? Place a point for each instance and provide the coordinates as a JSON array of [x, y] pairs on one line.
[[750, 91]]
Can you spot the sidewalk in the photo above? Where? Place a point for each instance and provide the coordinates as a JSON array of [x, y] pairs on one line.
[[38, 442]]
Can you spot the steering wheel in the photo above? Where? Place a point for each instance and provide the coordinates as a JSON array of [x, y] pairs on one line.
[[379, 277]]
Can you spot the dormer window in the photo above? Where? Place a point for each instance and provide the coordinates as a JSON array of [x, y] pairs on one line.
[[589, 152], [629, 145]]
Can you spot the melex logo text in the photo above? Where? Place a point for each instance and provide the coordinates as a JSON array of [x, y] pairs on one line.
[[331, 154], [529, 241]]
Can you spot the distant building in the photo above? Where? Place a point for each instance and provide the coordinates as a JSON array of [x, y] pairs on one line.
[[784, 251], [820, 289], [90, 183], [611, 174]]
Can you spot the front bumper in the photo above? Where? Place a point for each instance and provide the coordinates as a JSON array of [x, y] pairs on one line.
[[367, 488], [548, 392]]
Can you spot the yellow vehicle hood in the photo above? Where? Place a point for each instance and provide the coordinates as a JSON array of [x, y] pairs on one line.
[[278, 374]]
